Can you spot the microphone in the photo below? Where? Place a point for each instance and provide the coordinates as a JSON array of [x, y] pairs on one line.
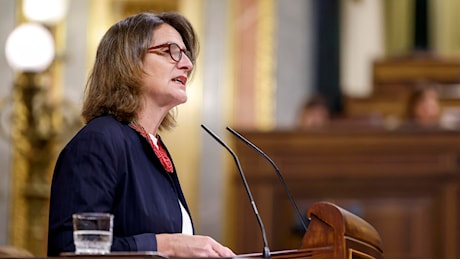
[[266, 250], [291, 199]]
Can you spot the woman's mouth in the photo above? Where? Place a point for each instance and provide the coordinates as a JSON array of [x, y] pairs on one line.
[[180, 79]]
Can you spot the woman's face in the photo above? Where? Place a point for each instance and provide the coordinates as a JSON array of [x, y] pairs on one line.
[[165, 80]]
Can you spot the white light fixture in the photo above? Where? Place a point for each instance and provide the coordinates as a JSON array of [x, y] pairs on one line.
[[30, 48], [45, 11]]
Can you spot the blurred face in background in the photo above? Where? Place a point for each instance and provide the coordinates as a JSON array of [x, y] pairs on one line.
[[427, 110], [314, 116]]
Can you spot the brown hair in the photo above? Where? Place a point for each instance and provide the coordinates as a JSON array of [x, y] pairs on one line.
[[114, 85]]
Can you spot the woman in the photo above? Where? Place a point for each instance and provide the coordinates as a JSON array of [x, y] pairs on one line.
[[117, 162]]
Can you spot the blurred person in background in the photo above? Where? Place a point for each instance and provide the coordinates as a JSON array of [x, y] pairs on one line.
[[314, 113], [424, 108]]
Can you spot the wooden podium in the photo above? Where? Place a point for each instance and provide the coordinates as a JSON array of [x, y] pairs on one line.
[[333, 233], [347, 235]]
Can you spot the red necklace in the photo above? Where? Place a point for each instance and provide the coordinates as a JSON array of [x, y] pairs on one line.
[[159, 150]]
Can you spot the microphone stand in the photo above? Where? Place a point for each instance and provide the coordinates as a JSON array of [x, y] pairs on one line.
[[266, 250], [291, 199]]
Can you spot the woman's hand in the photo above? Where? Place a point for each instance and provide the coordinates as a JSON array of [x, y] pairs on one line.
[[186, 246]]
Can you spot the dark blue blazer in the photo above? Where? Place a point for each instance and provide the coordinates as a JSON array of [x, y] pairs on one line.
[[109, 167]]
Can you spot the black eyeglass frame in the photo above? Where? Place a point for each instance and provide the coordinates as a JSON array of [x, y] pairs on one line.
[[175, 51]]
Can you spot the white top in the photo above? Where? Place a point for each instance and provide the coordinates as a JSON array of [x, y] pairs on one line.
[[186, 220]]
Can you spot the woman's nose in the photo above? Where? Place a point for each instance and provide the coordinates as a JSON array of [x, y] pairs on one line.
[[185, 63]]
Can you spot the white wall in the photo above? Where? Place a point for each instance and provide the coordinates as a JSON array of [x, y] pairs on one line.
[[214, 50], [294, 60], [7, 24], [362, 41]]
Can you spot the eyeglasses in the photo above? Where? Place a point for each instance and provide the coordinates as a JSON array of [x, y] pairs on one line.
[[174, 51]]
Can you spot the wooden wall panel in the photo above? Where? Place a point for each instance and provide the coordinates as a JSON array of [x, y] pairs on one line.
[[404, 183]]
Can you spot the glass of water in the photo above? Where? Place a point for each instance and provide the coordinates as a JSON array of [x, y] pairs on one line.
[[92, 232]]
